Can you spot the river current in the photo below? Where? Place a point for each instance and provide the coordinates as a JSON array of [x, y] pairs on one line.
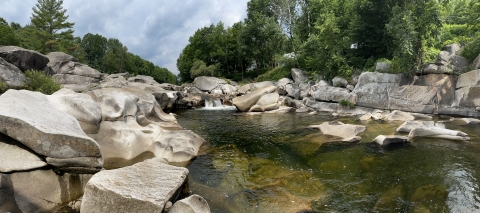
[[274, 163]]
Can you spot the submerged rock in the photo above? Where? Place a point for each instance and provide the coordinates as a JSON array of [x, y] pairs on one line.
[[144, 187], [192, 204]]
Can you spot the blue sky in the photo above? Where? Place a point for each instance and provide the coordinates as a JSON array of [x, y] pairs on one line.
[[157, 30]]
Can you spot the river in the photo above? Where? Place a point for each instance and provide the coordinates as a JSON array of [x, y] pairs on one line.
[[273, 163]]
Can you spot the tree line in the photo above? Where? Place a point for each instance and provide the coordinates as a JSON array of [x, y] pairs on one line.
[[49, 31], [333, 37]]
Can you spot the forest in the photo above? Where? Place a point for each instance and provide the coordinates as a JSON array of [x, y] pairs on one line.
[[49, 31], [331, 38]]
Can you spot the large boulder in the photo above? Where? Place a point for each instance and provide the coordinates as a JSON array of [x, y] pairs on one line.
[[382, 67], [207, 84], [468, 79], [414, 98], [115, 104], [192, 204], [348, 132], [79, 105], [267, 102], [444, 85], [373, 89], [72, 74], [339, 82], [31, 119], [467, 97], [245, 102], [299, 76], [332, 94], [144, 187], [11, 75], [22, 58], [39, 191], [17, 157], [397, 115]]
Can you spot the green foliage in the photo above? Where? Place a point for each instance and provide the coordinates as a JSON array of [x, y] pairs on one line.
[[41, 82], [50, 24], [275, 74], [346, 103], [455, 34], [200, 69], [7, 34], [472, 48], [95, 48], [3, 87]]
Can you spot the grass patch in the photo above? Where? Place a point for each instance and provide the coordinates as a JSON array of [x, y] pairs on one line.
[[346, 103], [41, 82]]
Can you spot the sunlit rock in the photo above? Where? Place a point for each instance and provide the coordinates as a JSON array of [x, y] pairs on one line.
[[407, 126], [385, 140]]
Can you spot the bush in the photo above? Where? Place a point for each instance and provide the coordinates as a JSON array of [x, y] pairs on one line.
[[41, 82], [275, 74], [472, 49], [3, 87], [344, 102]]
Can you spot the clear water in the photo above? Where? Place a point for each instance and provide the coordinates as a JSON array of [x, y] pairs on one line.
[[273, 163]]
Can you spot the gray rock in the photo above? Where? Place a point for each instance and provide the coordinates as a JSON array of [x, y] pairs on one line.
[[192, 204], [459, 63], [228, 89], [11, 75], [332, 94], [293, 90], [299, 76], [22, 58], [382, 67], [386, 140], [245, 102], [115, 104], [476, 63], [408, 126], [144, 79], [452, 49], [468, 79], [444, 84], [144, 187], [39, 191], [467, 97], [373, 89], [262, 84], [339, 82], [414, 98], [48, 132], [207, 84], [17, 157], [72, 74], [397, 115]]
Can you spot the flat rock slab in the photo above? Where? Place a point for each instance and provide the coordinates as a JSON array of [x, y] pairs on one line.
[[144, 187], [436, 132], [407, 126], [339, 129], [386, 140], [15, 156], [32, 120]]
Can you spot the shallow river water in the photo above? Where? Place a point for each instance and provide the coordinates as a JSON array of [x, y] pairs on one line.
[[273, 163]]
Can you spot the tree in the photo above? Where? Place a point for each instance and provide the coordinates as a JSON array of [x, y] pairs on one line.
[[51, 24], [95, 48], [7, 34], [199, 68]]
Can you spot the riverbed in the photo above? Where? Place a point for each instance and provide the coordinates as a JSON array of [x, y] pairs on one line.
[[274, 163]]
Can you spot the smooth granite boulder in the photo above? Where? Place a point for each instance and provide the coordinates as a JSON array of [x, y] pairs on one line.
[[408, 126], [115, 104], [79, 105], [207, 84], [11, 75], [17, 157], [348, 132], [48, 131], [245, 102], [143, 187], [22, 58], [436, 132]]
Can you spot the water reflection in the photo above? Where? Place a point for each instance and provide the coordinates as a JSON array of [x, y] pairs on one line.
[[272, 163]]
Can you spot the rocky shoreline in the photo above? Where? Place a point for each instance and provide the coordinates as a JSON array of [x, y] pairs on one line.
[[56, 148]]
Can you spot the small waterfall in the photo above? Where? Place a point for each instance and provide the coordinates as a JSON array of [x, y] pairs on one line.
[[216, 104]]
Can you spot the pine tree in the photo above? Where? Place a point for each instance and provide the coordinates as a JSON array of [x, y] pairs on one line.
[[51, 24]]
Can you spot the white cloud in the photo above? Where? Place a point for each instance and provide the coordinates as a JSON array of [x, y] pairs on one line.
[[157, 30]]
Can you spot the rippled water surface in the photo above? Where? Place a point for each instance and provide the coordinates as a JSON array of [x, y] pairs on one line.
[[273, 163]]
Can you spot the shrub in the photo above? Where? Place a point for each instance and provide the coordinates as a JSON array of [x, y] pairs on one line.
[[344, 102], [275, 74], [3, 87], [472, 49], [41, 82]]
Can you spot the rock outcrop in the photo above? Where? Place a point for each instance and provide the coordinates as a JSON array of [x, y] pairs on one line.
[[72, 74], [22, 58], [11, 75], [143, 187], [48, 131]]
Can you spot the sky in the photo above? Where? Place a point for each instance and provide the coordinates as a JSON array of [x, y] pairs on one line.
[[157, 30]]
